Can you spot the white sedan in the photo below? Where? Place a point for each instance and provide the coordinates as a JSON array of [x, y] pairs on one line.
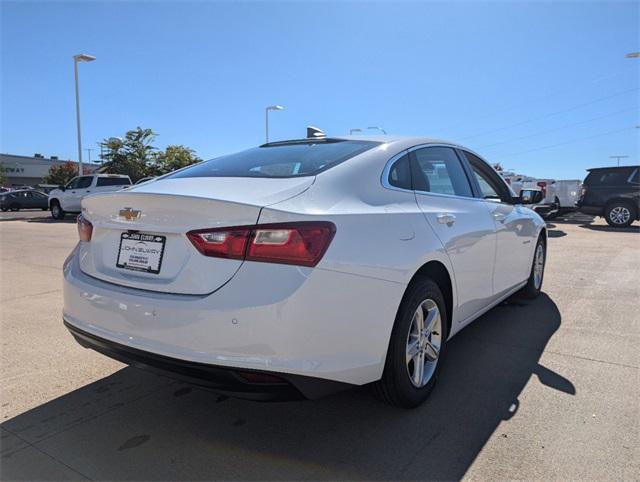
[[299, 268]]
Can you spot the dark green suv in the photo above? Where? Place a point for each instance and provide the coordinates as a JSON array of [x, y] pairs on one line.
[[612, 192]]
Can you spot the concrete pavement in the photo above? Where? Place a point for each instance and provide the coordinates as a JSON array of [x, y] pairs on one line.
[[542, 389]]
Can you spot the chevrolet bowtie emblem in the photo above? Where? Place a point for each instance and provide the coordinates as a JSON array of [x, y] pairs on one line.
[[129, 214]]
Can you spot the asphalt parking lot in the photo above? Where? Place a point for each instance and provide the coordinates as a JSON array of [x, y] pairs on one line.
[[547, 389]]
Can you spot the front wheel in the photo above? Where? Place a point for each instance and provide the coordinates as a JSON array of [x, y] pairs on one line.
[[619, 214], [56, 211], [534, 283], [416, 347]]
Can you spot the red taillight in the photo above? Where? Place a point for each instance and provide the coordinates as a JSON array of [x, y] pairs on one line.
[[85, 228], [543, 187], [221, 243], [302, 243]]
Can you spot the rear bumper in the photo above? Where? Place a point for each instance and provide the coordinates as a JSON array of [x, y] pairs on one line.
[[220, 379], [286, 320]]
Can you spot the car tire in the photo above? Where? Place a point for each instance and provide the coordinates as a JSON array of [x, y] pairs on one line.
[[620, 214], [56, 211], [4, 210], [534, 284], [554, 214], [15, 207], [401, 385]]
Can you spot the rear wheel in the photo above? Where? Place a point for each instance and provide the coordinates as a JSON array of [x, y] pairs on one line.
[[416, 347], [534, 284], [56, 211], [620, 214], [15, 207]]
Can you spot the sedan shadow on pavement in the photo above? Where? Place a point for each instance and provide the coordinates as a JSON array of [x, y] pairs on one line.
[[136, 425]]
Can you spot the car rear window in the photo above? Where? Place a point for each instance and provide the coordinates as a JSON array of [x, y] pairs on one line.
[[608, 177], [113, 181], [287, 159]]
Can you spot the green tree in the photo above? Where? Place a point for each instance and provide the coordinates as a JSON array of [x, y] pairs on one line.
[[132, 155], [172, 158], [61, 174]]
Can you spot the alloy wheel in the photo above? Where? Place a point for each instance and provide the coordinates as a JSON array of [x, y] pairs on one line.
[[620, 215], [423, 343], [538, 266]]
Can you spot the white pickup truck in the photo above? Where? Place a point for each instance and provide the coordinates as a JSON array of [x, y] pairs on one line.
[[558, 196], [67, 198]]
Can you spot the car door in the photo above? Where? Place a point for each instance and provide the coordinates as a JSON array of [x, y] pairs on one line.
[[462, 223], [74, 195], [515, 226], [28, 201], [39, 200]]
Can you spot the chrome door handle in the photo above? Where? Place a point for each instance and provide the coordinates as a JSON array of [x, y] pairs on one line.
[[499, 217], [447, 219]]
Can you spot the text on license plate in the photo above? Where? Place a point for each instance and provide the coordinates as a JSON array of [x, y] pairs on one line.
[[141, 252]]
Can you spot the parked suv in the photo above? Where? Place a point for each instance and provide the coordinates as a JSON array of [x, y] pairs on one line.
[[67, 198], [612, 192]]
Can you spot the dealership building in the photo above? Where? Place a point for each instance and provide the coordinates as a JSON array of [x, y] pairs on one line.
[[31, 170]]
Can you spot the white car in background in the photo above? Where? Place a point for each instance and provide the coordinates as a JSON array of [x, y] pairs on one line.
[[67, 198], [303, 267]]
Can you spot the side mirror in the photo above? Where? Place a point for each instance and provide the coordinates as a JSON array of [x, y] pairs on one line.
[[530, 196]]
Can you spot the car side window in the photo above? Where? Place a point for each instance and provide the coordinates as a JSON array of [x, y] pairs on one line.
[[84, 182], [400, 173], [73, 183], [491, 186], [439, 170]]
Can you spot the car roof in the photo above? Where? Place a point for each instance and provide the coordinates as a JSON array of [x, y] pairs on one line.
[[612, 167], [386, 139]]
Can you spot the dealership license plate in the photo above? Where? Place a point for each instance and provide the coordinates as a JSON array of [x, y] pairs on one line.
[[141, 252]]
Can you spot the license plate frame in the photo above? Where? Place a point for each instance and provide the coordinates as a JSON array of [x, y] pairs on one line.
[[142, 264]]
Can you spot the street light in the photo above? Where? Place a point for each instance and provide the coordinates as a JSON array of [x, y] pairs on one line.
[[632, 55], [76, 59], [266, 118], [351, 131], [378, 128], [618, 158]]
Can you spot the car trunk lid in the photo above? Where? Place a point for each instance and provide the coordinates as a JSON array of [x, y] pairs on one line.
[[153, 219]]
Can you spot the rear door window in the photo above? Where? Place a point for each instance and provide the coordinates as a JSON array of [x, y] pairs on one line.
[[439, 170]]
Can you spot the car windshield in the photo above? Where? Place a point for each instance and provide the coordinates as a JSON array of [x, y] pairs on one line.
[[287, 159]]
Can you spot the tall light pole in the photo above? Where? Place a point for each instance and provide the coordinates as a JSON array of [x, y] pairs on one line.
[[266, 118], [618, 158], [351, 131], [76, 59]]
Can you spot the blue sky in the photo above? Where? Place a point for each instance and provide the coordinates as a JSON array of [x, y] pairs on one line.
[[508, 79]]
